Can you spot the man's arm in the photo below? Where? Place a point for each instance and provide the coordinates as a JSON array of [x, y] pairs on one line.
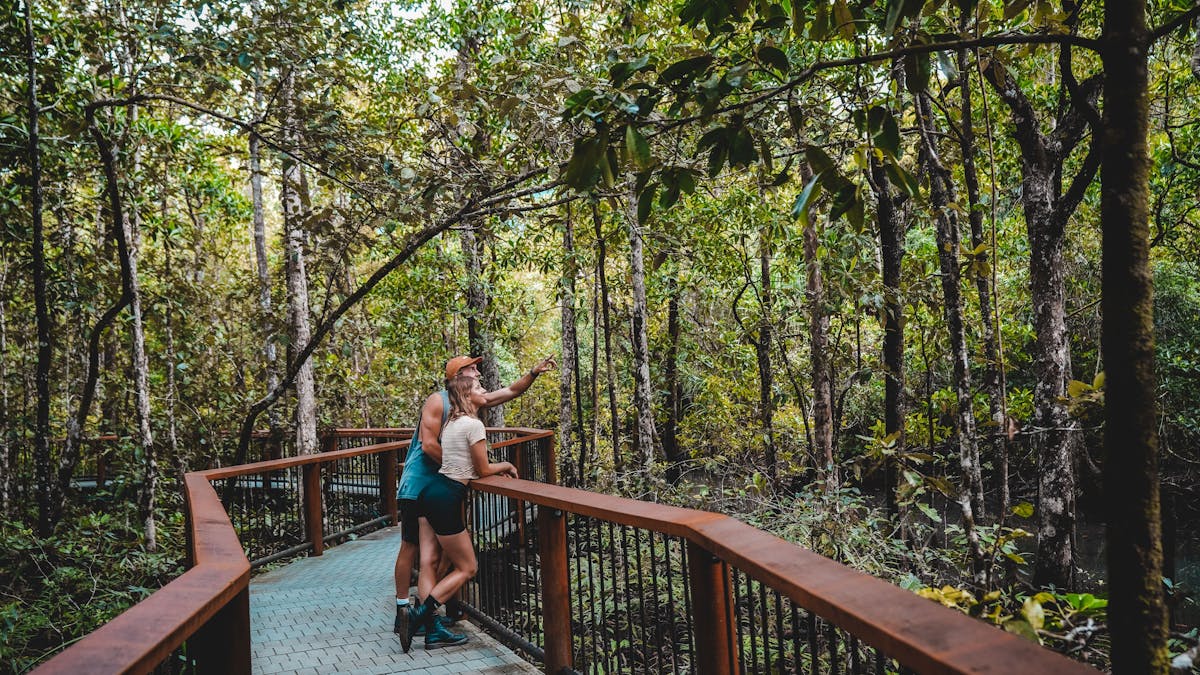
[[519, 386], [431, 428]]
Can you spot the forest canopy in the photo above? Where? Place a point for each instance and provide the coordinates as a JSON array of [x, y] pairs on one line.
[[934, 263]]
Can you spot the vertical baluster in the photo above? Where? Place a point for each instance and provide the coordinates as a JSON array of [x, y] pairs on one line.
[[669, 544], [555, 584], [312, 507], [834, 658], [814, 657], [716, 650]]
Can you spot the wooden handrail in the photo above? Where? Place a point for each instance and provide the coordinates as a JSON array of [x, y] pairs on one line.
[[922, 634], [143, 636], [218, 581]]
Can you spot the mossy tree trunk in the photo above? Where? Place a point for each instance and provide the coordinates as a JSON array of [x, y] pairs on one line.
[[1136, 613]]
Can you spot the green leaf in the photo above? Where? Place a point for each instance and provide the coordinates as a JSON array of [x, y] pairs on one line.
[[1023, 510], [1022, 628], [646, 203], [716, 159], [1034, 613], [775, 58], [916, 72], [583, 169], [686, 67], [900, 177], [929, 512], [819, 161], [884, 130], [804, 200], [637, 147], [741, 150], [1012, 9]]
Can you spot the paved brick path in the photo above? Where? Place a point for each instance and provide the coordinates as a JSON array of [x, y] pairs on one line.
[[333, 614]]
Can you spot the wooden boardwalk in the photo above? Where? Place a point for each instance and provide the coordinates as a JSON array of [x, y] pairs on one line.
[[334, 613]]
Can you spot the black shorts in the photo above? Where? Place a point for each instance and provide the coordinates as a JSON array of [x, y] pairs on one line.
[[440, 502]]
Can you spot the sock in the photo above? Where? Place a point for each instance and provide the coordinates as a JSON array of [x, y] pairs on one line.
[[431, 604], [402, 602]]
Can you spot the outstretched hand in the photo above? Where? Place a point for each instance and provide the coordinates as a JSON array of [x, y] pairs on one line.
[[547, 363]]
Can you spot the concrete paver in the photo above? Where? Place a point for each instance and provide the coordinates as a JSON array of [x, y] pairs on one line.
[[333, 614]]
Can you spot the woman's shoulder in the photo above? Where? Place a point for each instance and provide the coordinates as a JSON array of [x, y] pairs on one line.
[[466, 422]]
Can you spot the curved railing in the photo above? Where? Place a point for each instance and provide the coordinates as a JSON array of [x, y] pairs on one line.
[[630, 586], [200, 621], [577, 580]]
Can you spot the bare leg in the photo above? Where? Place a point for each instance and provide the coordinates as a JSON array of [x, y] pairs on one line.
[[431, 556], [404, 567], [462, 555]]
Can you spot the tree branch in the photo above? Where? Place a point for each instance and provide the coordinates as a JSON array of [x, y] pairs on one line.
[[1169, 27], [953, 45]]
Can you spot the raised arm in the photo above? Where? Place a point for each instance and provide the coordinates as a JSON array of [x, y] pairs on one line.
[[431, 428], [483, 467], [520, 385]]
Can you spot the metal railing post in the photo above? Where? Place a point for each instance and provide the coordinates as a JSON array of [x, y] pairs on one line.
[[223, 644], [556, 598], [388, 485], [716, 640], [313, 529]]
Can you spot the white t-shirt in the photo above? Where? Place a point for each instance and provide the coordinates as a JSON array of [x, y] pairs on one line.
[[458, 436]]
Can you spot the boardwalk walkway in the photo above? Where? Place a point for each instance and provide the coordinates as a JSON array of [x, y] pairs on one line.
[[333, 614]]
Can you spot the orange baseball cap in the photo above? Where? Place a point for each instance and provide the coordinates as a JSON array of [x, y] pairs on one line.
[[458, 363]]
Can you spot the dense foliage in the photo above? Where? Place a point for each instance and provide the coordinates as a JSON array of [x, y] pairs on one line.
[[726, 183]]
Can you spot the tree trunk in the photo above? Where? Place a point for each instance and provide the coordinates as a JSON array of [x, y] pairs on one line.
[[140, 365], [75, 425], [671, 377], [41, 429], [566, 363], [891, 252], [1047, 209], [611, 378], [8, 464], [970, 498], [270, 360], [993, 370], [818, 342], [294, 196], [762, 349], [643, 393], [1137, 616]]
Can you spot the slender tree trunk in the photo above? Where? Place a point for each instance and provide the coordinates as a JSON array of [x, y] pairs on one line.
[[294, 195], [970, 498], [993, 372], [671, 376], [643, 395], [479, 335], [140, 365], [611, 378], [762, 348], [75, 425], [41, 429], [594, 422], [891, 248], [567, 362], [818, 341], [1137, 616], [270, 360], [8, 464]]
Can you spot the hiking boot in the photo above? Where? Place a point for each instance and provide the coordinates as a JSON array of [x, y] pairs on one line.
[[403, 626], [436, 635], [417, 617]]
